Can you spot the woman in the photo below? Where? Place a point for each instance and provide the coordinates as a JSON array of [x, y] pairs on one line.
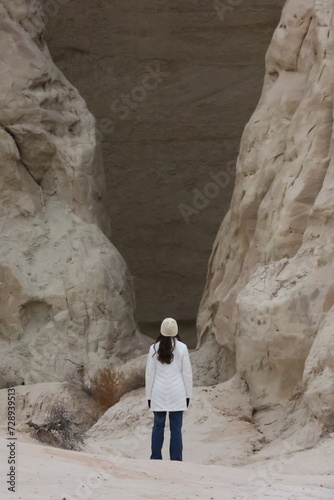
[[168, 387]]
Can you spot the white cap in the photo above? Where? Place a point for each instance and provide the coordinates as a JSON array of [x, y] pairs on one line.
[[169, 327]]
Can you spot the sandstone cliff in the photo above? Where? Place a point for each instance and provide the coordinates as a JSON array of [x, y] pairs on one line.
[[65, 291], [269, 294]]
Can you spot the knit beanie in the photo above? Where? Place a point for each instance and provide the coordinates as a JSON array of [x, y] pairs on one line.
[[169, 327]]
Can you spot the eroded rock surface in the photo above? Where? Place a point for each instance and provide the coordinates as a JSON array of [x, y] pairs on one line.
[[65, 290], [269, 293]]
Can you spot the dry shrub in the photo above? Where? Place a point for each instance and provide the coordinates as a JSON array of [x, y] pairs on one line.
[[106, 387], [109, 385], [60, 429]]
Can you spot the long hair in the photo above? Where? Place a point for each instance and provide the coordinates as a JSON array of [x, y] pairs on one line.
[[166, 348]]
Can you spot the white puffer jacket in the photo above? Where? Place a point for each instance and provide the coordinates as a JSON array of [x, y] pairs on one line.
[[168, 386]]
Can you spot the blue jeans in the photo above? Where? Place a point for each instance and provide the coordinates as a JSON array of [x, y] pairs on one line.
[[175, 424]]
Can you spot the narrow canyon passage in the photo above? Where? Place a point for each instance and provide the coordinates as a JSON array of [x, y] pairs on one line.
[[190, 101], [172, 85]]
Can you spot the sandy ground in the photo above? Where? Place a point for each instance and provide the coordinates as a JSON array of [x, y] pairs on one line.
[[226, 456], [46, 473]]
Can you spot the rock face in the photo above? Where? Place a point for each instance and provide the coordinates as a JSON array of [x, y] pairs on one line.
[[172, 85], [64, 289], [269, 294]]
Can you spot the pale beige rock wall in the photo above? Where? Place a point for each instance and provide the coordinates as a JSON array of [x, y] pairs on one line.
[[269, 293], [64, 289]]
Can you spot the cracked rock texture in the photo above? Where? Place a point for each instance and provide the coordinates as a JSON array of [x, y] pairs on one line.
[[64, 289], [269, 297], [163, 141]]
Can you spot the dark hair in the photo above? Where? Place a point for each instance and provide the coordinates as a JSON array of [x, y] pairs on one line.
[[166, 348]]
